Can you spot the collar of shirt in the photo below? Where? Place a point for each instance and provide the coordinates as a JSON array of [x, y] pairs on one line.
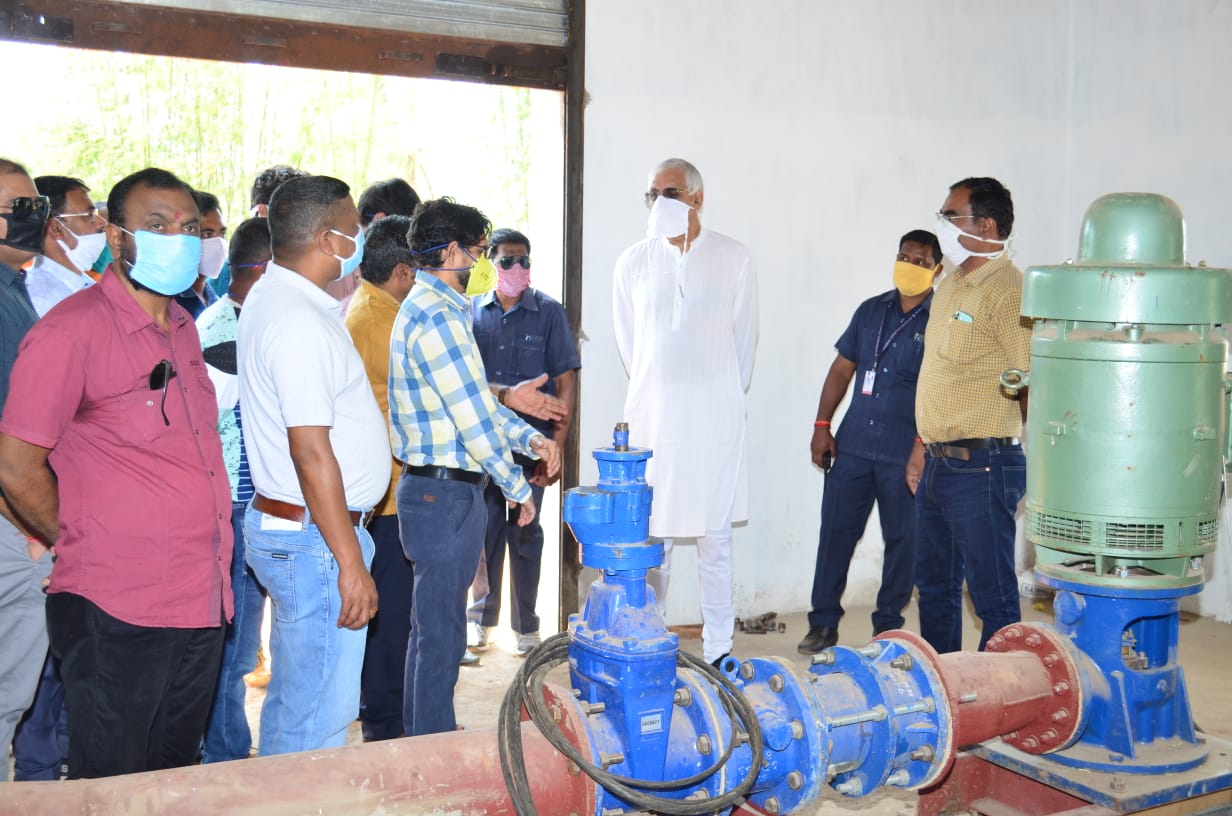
[[431, 283], [372, 296], [985, 272], [526, 300], [61, 273], [279, 275], [8, 274], [132, 317], [667, 244], [892, 296]]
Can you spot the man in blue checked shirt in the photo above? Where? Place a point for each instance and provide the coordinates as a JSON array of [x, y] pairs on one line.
[[454, 436]]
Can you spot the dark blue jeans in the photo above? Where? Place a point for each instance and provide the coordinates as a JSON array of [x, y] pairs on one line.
[[965, 528], [227, 735], [525, 545], [442, 526], [41, 744], [384, 675], [851, 487]]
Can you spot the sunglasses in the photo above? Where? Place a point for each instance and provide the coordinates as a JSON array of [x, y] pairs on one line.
[[507, 262], [162, 374], [27, 206]]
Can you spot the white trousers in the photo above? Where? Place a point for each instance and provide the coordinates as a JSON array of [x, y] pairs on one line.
[[714, 568]]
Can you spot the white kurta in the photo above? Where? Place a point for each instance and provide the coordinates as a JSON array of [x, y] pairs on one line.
[[686, 328]]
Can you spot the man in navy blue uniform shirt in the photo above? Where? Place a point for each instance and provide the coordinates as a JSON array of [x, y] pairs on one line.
[[522, 334], [882, 349]]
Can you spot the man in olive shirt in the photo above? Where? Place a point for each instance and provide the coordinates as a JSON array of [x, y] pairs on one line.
[[969, 471]]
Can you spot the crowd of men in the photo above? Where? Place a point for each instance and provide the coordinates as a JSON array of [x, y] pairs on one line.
[[351, 409]]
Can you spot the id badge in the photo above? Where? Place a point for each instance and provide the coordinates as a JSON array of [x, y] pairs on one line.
[[869, 377]]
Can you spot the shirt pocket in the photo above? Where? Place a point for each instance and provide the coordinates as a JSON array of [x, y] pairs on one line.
[[136, 416], [966, 340], [532, 354]]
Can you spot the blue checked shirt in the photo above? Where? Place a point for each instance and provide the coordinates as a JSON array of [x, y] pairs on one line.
[[441, 411]]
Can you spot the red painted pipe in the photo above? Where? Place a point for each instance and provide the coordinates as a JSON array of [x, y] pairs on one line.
[[458, 773]]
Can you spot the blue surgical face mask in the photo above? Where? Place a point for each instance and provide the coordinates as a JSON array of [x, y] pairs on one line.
[[351, 263], [166, 264]]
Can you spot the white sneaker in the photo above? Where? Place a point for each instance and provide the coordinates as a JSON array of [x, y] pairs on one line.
[[476, 636], [527, 643]]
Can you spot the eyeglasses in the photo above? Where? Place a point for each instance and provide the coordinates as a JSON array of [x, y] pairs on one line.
[[482, 249], [507, 262], [951, 217], [26, 206], [923, 263], [667, 192], [162, 374], [91, 213]]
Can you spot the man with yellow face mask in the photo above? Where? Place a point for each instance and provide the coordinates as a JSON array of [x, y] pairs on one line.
[[882, 349]]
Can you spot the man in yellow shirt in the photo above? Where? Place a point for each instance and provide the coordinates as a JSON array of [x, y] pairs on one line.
[[968, 470]]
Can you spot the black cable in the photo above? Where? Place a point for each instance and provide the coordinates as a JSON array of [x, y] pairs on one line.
[[527, 689]]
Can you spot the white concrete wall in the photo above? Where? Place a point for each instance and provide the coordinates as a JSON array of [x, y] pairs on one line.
[[825, 129]]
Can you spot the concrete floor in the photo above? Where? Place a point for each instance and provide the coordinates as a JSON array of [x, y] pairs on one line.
[[1205, 646]]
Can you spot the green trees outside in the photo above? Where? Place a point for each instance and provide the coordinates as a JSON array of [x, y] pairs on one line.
[[102, 115]]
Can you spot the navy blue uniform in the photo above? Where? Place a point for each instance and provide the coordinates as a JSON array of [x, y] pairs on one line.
[[874, 443], [530, 339]]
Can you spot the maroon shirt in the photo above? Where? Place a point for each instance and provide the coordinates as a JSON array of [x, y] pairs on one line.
[[145, 507]]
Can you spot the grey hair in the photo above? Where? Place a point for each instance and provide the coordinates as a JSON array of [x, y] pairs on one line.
[[692, 176]]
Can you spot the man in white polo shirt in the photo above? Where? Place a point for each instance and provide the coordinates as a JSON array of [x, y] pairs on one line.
[[319, 455]]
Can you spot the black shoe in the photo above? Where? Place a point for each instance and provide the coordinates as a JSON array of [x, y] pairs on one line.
[[718, 661], [818, 639]]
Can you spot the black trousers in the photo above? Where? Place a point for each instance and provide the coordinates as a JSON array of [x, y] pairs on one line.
[[384, 673], [137, 696]]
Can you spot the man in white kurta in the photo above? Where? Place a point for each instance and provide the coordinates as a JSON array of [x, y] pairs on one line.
[[685, 304]]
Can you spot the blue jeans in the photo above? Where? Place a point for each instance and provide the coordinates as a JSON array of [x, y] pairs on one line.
[[442, 533], [384, 674], [313, 693], [965, 528], [851, 487], [227, 735], [41, 744], [525, 546]]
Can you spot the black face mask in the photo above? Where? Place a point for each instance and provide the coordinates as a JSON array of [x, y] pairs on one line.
[[26, 223]]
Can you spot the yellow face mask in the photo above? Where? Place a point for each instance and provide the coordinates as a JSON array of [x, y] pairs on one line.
[[483, 277], [912, 280]]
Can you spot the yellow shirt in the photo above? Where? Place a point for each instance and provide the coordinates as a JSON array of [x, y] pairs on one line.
[[974, 334], [370, 320]]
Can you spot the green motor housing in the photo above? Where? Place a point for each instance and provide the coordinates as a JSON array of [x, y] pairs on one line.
[[1126, 430]]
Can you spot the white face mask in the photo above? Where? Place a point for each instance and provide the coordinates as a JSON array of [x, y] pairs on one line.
[[89, 247], [947, 235], [669, 218], [213, 254]]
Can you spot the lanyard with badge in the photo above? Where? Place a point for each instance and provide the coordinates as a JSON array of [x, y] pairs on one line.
[[870, 376]]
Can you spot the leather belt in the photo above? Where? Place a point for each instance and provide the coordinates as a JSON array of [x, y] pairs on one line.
[[447, 473], [293, 512], [961, 448]]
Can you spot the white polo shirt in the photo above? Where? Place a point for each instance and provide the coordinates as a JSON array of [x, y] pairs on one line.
[[298, 367]]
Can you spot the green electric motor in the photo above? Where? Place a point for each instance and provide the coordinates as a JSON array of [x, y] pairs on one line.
[[1127, 427]]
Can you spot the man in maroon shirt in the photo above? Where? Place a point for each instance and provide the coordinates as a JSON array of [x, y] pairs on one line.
[[108, 449]]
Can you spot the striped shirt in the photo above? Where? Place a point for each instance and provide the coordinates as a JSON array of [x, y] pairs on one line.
[[974, 333], [440, 408]]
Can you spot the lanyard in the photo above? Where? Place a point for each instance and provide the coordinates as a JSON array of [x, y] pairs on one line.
[[878, 348]]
